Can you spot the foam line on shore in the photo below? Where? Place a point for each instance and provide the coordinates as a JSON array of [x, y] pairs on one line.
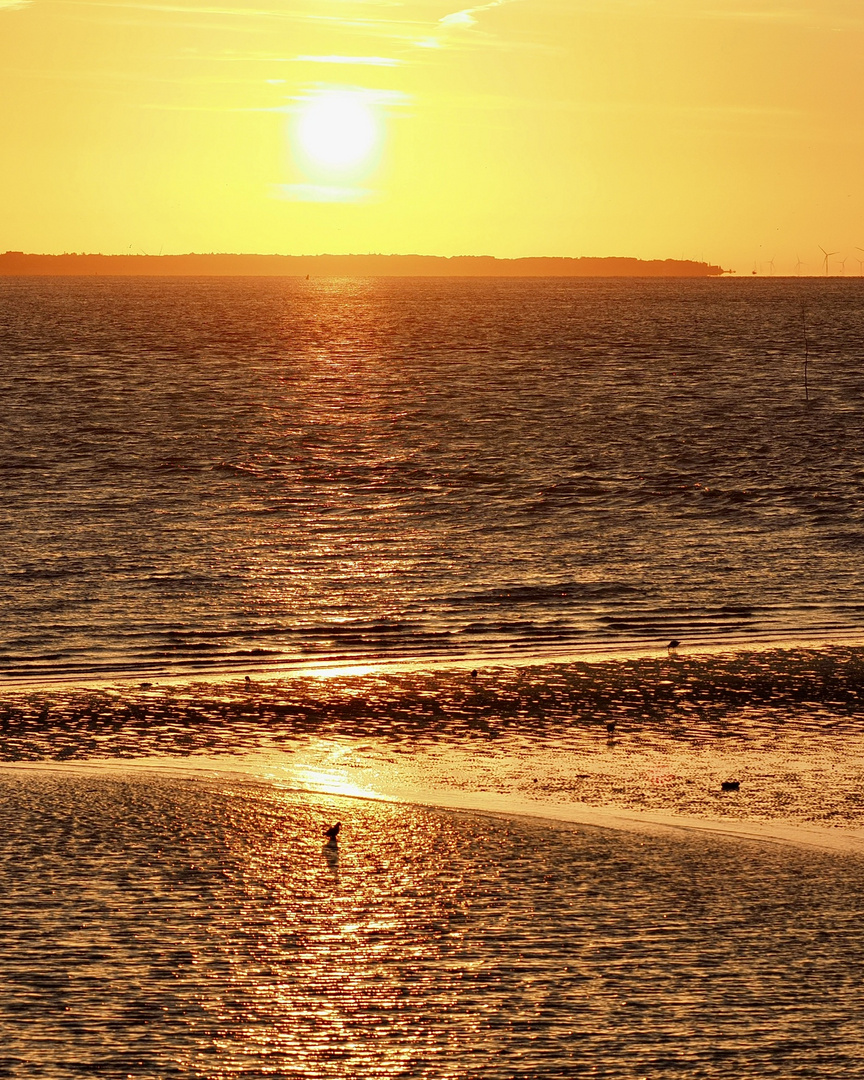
[[846, 841]]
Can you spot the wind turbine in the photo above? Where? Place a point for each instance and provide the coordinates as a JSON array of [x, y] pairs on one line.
[[771, 264], [798, 264], [860, 263], [843, 264], [827, 254]]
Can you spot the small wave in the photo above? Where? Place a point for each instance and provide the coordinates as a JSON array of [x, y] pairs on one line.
[[527, 644], [526, 594]]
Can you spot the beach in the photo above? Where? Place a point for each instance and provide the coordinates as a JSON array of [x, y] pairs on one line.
[[517, 889], [657, 734]]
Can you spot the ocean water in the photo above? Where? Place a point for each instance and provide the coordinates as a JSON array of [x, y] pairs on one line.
[[201, 475], [211, 488], [167, 926]]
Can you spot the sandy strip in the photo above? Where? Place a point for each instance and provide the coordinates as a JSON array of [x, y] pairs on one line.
[[639, 744], [849, 841]]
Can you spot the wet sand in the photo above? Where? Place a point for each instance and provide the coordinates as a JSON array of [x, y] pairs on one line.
[[171, 909], [641, 739]]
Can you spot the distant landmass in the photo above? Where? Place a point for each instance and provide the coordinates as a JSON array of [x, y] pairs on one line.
[[19, 264]]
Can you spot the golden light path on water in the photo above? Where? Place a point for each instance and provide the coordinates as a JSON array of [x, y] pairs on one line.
[[166, 925]]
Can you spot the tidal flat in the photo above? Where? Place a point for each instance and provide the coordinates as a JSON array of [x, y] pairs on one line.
[[538, 873], [655, 734]]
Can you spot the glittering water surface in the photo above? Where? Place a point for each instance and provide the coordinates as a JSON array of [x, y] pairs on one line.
[[159, 926], [223, 472], [210, 475]]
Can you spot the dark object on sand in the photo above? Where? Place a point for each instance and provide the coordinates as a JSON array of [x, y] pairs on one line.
[[474, 673], [730, 785], [610, 728], [673, 644], [333, 832]]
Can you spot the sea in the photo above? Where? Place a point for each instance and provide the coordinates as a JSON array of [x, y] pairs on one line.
[[550, 591]]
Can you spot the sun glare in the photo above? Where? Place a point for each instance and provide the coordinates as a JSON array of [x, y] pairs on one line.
[[337, 133]]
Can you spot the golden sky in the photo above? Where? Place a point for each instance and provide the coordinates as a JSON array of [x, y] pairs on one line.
[[729, 130]]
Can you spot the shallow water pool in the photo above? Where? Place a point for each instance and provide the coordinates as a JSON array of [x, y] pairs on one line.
[[159, 925]]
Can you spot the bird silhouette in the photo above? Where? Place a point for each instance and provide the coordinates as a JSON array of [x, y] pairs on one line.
[[333, 832], [673, 644]]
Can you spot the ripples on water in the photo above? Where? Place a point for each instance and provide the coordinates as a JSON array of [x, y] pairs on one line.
[[159, 927], [227, 471], [205, 473]]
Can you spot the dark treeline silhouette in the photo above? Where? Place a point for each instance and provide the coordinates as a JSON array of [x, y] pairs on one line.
[[20, 264]]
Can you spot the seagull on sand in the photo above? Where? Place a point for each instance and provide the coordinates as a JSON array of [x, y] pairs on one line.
[[673, 645], [333, 833]]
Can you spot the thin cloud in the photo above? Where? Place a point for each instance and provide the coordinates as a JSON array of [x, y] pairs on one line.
[[370, 96], [468, 16], [773, 11], [202, 11], [464, 19], [459, 18], [186, 9], [381, 26], [8, 5], [371, 61], [383, 23], [801, 12]]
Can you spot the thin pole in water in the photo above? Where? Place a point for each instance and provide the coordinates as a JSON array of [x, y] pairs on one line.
[[806, 352]]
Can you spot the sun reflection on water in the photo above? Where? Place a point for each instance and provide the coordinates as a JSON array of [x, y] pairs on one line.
[[170, 925], [327, 781]]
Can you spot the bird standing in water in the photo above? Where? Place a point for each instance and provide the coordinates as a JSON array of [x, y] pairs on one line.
[[332, 833]]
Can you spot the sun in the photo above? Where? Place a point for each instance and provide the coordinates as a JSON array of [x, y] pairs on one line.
[[337, 133]]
